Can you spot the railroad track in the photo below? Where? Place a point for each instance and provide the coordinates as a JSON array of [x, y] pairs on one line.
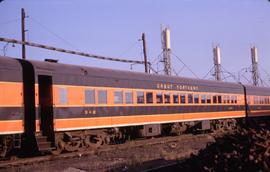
[[129, 144]]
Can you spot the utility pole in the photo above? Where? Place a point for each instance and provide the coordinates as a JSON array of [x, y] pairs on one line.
[[23, 33], [145, 53], [166, 48], [254, 60], [217, 63]]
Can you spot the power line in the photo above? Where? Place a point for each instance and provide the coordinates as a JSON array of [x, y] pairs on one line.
[[9, 21], [53, 33], [185, 65], [129, 48]]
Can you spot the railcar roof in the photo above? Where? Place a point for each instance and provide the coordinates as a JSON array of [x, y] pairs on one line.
[[67, 69], [11, 63]]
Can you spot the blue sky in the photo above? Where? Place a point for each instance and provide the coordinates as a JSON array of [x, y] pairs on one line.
[[112, 28]]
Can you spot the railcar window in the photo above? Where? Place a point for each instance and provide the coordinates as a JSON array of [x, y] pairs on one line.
[[255, 100], [149, 97], [129, 97], [228, 99], [225, 99], [183, 98], [208, 99], [262, 100], [196, 98], [175, 99], [190, 98], [267, 100], [159, 98], [219, 99], [233, 99], [248, 99], [214, 99], [102, 96], [118, 97], [140, 97], [167, 98], [63, 96], [203, 99], [89, 96]]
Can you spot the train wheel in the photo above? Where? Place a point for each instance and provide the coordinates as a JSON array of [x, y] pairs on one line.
[[93, 141], [70, 147], [60, 145]]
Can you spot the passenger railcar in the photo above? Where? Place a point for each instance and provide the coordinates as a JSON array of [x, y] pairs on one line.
[[51, 106]]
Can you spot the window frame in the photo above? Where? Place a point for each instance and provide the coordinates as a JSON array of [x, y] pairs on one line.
[[121, 96], [152, 96], [98, 96], [85, 97], [125, 97], [60, 94], [137, 98]]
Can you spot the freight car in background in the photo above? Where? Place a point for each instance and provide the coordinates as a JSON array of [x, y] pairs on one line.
[[47, 106]]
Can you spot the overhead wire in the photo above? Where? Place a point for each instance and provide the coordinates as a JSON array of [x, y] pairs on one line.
[[185, 65], [9, 21], [52, 32]]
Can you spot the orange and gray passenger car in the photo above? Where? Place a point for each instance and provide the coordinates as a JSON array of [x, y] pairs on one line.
[[45, 97]]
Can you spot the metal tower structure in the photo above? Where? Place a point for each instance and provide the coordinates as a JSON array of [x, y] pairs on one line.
[[217, 63], [254, 60], [166, 49]]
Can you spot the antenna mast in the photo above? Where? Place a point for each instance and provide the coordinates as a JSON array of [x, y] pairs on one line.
[[166, 49], [217, 63], [254, 60]]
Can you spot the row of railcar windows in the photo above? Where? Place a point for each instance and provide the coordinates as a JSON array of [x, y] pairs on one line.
[[121, 97], [260, 100]]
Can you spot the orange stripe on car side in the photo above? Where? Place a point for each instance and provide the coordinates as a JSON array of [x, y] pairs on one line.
[[11, 127], [73, 123]]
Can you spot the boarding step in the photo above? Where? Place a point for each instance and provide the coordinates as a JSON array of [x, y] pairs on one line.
[[43, 143], [17, 141]]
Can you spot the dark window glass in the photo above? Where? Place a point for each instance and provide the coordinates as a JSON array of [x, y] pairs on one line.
[[175, 98], [129, 97], [196, 98], [190, 98], [89, 96], [140, 97], [118, 97], [183, 98], [149, 97], [159, 98], [214, 99], [167, 98], [219, 99], [63, 96], [102, 97], [208, 99], [203, 99]]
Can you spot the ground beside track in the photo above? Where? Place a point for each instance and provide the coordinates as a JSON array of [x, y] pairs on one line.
[[133, 156], [245, 150]]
